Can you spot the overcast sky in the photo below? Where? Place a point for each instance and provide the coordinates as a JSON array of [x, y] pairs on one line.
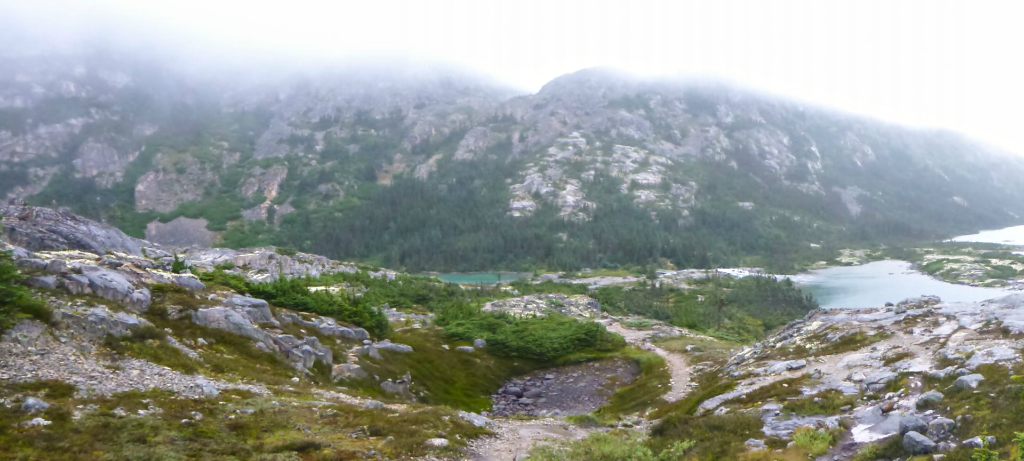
[[951, 64]]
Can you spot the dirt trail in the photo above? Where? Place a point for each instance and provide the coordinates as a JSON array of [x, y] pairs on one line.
[[514, 439], [678, 367]]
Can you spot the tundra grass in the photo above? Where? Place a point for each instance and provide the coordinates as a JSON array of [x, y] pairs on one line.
[[701, 348], [996, 408], [715, 437], [463, 380], [235, 426], [829, 402]]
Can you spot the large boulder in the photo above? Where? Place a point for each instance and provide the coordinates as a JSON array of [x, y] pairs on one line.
[[941, 428], [879, 381], [929, 399], [76, 284], [46, 282], [231, 321], [912, 423], [42, 229], [917, 444], [303, 353], [255, 309], [325, 325], [784, 366], [996, 354], [115, 286], [99, 322], [970, 381], [347, 371], [475, 419], [783, 428], [33, 405]]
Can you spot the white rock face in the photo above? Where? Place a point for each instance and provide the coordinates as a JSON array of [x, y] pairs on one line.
[[921, 331], [580, 306]]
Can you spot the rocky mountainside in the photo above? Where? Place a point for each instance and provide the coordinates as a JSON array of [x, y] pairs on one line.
[[157, 352], [438, 170]]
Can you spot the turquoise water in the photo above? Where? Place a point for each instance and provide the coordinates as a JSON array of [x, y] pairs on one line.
[[482, 278], [876, 283]]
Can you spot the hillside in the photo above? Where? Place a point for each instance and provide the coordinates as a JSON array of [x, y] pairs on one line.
[[122, 348], [435, 170]]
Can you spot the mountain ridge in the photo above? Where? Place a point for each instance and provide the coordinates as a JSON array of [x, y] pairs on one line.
[[435, 171]]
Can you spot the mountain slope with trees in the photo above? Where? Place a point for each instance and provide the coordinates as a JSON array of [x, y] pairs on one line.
[[437, 170]]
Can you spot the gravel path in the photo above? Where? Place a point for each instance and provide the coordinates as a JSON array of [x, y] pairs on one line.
[[678, 367], [514, 439]]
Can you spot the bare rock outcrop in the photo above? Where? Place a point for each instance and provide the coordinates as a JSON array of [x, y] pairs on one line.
[[37, 228]]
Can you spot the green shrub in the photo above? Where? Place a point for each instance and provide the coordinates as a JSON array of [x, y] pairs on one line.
[[653, 382], [16, 301], [612, 446], [178, 266], [814, 442], [984, 454], [740, 310], [441, 376], [294, 294], [537, 338], [716, 437], [824, 403]]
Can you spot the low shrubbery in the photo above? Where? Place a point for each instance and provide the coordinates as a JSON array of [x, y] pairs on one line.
[[295, 294], [611, 446], [717, 437], [16, 301], [741, 310], [537, 338], [279, 428], [441, 376], [996, 408], [828, 402], [814, 441]]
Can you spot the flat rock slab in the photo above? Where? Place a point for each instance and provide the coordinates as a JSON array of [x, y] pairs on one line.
[[564, 391]]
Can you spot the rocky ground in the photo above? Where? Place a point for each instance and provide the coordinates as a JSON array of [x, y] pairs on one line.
[[564, 391], [896, 374], [878, 358], [513, 439], [30, 353], [580, 306]]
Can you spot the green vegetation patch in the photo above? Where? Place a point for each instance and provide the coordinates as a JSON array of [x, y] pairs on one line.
[[821, 345], [780, 390], [815, 442], [442, 376], [716, 437], [16, 301], [237, 425], [737, 310], [224, 354], [828, 402], [701, 348], [149, 343], [295, 294], [536, 338], [996, 408], [645, 392], [610, 446]]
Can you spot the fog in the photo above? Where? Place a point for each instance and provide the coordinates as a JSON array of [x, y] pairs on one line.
[[944, 64]]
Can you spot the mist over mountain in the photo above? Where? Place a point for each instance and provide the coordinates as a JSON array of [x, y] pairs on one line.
[[423, 167], [484, 230]]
